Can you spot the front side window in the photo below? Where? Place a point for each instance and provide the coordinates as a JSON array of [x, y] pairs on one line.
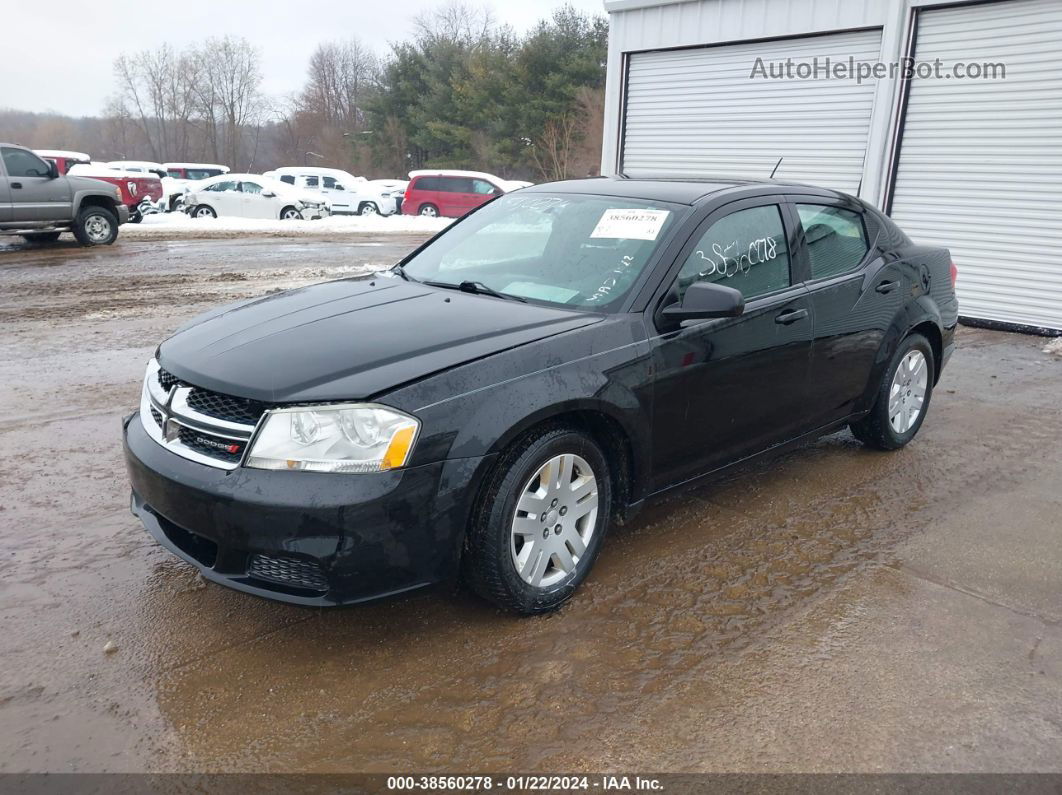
[[745, 250], [250, 187], [329, 182], [836, 239], [311, 182], [20, 163], [288, 179], [580, 251], [481, 186], [221, 187]]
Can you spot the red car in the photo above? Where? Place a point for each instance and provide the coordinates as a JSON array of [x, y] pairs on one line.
[[452, 193], [140, 192]]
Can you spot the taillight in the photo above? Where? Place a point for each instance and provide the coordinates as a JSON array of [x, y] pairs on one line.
[[954, 274]]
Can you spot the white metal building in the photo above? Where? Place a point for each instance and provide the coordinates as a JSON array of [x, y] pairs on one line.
[[971, 163]]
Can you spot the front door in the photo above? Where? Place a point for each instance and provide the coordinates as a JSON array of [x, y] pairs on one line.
[[727, 388], [35, 196]]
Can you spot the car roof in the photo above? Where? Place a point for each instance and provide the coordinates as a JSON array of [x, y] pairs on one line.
[[679, 191], [195, 165], [454, 172], [64, 153]]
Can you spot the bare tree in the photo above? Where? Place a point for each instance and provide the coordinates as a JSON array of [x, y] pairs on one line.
[[341, 75], [458, 22], [226, 76]]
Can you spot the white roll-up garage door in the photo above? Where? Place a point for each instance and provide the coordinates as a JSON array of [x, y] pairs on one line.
[[980, 162], [698, 112]]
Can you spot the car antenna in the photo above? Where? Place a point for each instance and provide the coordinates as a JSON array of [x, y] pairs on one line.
[[859, 187], [775, 167]]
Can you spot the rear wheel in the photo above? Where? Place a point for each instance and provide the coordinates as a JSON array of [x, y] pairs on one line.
[[202, 211], [902, 399], [96, 226], [429, 210], [290, 214], [368, 208], [540, 523], [42, 237]]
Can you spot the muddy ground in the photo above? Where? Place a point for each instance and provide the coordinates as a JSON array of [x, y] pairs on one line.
[[836, 609]]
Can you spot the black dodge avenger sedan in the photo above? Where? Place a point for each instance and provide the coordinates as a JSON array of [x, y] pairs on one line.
[[546, 364]]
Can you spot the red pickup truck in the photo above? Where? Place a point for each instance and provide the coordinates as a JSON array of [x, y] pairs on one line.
[[140, 192]]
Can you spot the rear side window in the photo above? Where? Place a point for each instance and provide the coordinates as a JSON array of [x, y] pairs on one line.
[[311, 182], [288, 179], [426, 183], [745, 250], [329, 182], [836, 239], [20, 163]]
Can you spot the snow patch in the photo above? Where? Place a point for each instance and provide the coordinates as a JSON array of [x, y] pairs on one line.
[[1054, 347], [181, 225]]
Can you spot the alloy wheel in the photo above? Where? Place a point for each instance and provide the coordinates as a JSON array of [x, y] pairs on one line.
[[555, 518], [429, 211], [907, 395]]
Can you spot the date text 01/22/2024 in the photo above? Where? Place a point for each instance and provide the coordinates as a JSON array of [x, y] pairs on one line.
[[523, 783]]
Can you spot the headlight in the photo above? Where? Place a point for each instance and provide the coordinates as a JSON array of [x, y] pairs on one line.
[[343, 438], [118, 194]]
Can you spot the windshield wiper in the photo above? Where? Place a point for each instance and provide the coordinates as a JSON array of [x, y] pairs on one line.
[[402, 272], [476, 288]]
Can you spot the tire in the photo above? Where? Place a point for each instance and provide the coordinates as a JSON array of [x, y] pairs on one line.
[[495, 552], [42, 237], [892, 423], [290, 214], [368, 208], [203, 211], [429, 210], [96, 226]]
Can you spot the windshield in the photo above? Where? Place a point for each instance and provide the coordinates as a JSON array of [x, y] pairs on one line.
[[576, 250]]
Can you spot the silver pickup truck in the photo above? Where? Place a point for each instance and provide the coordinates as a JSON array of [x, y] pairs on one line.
[[39, 204]]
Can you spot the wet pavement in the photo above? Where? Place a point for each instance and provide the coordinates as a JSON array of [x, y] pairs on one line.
[[834, 609]]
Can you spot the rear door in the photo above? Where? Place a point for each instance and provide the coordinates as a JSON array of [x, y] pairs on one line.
[[729, 387], [5, 195], [35, 196], [855, 294]]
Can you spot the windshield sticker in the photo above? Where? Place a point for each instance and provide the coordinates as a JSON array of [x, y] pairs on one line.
[[630, 224], [541, 292]]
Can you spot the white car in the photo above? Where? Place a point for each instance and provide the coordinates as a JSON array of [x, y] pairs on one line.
[[252, 196], [347, 194]]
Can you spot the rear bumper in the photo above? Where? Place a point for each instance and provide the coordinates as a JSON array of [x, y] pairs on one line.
[[305, 538]]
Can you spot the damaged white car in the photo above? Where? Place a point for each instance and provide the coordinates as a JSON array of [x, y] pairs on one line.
[[253, 196]]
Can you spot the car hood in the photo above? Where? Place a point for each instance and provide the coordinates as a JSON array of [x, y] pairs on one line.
[[351, 339], [100, 184]]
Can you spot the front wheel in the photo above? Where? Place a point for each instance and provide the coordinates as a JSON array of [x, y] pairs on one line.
[[540, 523], [202, 211], [368, 208], [290, 214], [96, 226], [902, 399]]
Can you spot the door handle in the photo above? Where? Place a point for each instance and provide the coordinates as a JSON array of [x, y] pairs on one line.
[[791, 316], [886, 287], [16, 184]]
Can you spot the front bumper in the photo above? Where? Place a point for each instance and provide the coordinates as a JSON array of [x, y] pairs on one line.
[[307, 538], [123, 214]]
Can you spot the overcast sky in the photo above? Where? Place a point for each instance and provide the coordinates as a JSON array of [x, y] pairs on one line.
[[61, 58]]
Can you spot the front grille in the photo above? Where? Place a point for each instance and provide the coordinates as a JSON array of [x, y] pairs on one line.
[[226, 407], [213, 446], [168, 380], [155, 415], [292, 572]]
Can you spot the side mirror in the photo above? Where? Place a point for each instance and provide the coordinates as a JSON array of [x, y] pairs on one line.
[[53, 169], [268, 194], [704, 300]]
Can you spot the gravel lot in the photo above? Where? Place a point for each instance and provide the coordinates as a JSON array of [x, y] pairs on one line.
[[835, 609]]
